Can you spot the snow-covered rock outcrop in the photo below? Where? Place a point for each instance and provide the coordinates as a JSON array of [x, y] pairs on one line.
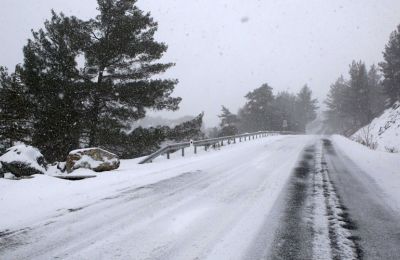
[[23, 160], [383, 133], [96, 159]]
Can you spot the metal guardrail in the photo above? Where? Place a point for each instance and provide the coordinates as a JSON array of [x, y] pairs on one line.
[[214, 142]]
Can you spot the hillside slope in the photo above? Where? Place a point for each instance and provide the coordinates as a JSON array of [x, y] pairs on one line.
[[383, 131]]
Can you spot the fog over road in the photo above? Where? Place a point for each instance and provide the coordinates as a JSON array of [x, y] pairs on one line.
[[284, 197]]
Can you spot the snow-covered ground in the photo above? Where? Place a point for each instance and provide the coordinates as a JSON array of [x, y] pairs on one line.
[[216, 204], [384, 130], [209, 205], [382, 167]]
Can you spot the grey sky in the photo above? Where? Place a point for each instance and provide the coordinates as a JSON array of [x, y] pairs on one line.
[[225, 48]]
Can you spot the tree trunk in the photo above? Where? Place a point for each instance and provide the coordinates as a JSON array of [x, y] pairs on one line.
[[95, 112]]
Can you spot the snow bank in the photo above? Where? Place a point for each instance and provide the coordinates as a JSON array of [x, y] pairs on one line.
[[382, 167], [384, 130]]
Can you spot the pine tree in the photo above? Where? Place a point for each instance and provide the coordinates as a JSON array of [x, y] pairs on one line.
[[391, 67], [54, 86], [306, 107], [285, 110], [121, 59], [189, 130], [228, 123], [353, 104], [14, 114], [360, 94], [257, 113], [71, 107], [143, 141], [377, 97], [339, 106]]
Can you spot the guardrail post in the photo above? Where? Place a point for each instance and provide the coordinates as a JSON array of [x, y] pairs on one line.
[[222, 143], [240, 139], [195, 149], [183, 152], [168, 155], [234, 140]]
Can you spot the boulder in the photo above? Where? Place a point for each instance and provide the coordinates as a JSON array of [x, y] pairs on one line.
[[96, 159], [23, 160], [2, 170]]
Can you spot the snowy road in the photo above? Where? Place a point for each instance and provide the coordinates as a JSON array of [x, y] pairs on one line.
[[331, 209], [213, 209], [376, 223], [284, 197]]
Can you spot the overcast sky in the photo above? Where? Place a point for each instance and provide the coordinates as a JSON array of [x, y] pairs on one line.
[[225, 48]]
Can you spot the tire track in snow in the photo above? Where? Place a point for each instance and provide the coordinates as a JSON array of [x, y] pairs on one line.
[[314, 223], [332, 224], [377, 231], [294, 235]]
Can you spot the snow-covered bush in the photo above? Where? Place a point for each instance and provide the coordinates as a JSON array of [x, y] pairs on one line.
[[365, 137], [391, 149]]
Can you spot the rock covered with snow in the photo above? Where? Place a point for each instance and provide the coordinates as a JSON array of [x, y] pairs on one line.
[[96, 159], [383, 131], [2, 170], [23, 160]]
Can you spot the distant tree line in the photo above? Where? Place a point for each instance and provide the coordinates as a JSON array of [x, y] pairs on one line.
[[265, 111], [81, 81], [352, 103]]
